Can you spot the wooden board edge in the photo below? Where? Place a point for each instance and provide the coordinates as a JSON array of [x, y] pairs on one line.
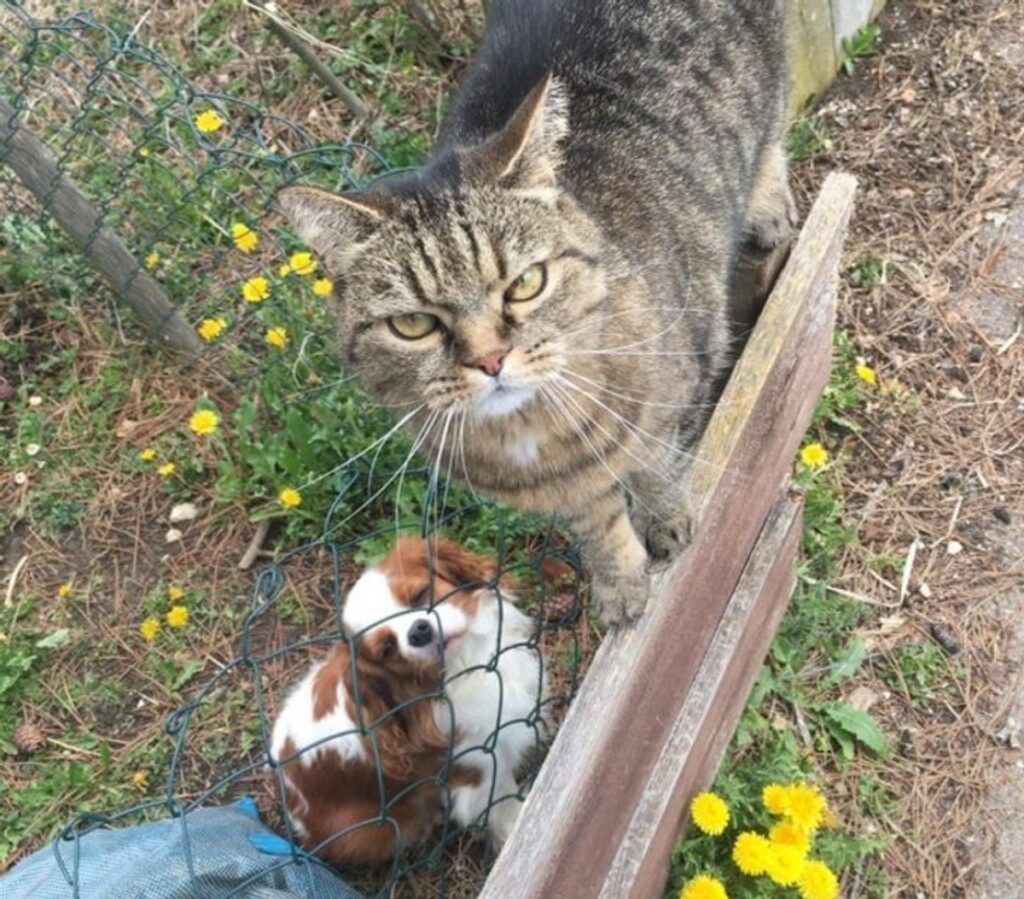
[[708, 718], [558, 820]]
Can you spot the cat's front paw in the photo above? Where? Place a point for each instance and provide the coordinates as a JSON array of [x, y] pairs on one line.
[[621, 600], [667, 538]]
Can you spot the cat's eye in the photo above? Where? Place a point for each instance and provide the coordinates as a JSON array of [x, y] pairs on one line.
[[413, 325], [528, 285]]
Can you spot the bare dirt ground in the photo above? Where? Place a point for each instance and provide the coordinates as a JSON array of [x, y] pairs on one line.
[[934, 130]]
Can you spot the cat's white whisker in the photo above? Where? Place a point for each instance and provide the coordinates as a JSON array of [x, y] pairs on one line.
[[369, 500], [377, 443], [643, 463], [632, 398], [559, 403]]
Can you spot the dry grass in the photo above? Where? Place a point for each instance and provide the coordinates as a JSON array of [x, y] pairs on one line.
[[934, 129]]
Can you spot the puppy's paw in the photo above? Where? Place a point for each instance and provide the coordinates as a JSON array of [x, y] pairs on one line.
[[502, 818]]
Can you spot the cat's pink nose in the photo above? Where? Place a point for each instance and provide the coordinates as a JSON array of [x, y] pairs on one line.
[[491, 363]]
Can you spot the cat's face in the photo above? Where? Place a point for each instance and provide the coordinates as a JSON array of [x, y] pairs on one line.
[[473, 305], [468, 292]]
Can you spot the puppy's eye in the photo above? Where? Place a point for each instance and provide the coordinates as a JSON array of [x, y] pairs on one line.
[[421, 598], [413, 325], [528, 285], [388, 647]]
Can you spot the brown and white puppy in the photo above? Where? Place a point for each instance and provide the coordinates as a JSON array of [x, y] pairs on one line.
[[435, 664]]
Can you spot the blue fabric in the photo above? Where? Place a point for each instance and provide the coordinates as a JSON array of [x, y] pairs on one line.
[[211, 853]]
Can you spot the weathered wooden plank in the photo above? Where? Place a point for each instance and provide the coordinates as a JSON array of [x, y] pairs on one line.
[[706, 721], [580, 807], [32, 162]]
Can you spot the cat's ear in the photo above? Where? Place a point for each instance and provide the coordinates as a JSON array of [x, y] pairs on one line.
[[526, 152], [334, 225]]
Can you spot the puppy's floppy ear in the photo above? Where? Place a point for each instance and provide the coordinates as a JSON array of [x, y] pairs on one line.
[[334, 225], [459, 566]]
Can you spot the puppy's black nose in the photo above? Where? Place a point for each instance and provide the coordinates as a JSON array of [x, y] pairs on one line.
[[421, 633]]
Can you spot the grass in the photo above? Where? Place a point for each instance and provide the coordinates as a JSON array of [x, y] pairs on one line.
[[77, 669]]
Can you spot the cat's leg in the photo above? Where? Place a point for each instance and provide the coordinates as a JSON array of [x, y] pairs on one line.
[[771, 224], [661, 510], [614, 556]]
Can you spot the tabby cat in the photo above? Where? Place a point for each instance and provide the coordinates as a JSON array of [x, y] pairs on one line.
[[546, 301]]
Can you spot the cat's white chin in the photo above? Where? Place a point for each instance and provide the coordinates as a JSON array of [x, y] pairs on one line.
[[502, 400]]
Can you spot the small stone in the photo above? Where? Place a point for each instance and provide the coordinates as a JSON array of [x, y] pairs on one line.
[[125, 428], [925, 591], [1001, 514], [173, 535], [34, 401], [955, 393], [183, 512], [862, 698], [954, 548]]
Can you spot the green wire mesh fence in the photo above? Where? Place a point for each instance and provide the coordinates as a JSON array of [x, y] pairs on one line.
[[111, 161]]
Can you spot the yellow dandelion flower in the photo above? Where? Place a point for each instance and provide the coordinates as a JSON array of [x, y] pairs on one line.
[[204, 422], [323, 287], [211, 328], [814, 455], [704, 887], [302, 263], [284, 269], [710, 813], [144, 152], [256, 289], [208, 121], [244, 237], [806, 807], [786, 833], [177, 616], [167, 469], [866, 373], [775, 798], [148, 454], [784, 865], [277, 337], [149, 629], [175, 593], [141, 779], [152, 260], [289, 498], [64, 591], [817, 881], [750, 852]]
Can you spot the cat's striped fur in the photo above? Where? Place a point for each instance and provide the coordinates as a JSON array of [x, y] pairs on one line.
[[631, 149]]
